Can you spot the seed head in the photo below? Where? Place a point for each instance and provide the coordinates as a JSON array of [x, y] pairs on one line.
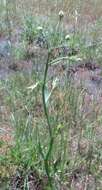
[[67, 37], [61, 14], [39, 28]]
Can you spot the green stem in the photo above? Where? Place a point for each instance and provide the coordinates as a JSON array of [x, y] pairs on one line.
[[43, 95], [46, 158]]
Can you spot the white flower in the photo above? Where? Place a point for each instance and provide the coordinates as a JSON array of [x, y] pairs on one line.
[[39, 28], [67, 37], [61, 14]]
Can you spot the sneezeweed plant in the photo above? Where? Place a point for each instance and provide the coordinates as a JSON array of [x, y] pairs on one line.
[[40, 29], [59, 27], [56, 33], [61, 15], [67, 37], [44, 34]]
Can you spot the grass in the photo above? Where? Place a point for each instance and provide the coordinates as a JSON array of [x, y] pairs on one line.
[[51, 135], [26, 152], [30, 146]]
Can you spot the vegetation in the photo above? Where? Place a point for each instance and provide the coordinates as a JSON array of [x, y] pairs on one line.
[[50, 122]]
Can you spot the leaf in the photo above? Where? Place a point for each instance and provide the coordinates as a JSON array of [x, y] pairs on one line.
[[54, 83], [75, 58], [32, 87], [47, 95]]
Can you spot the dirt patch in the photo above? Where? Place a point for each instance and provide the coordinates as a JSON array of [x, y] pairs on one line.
[[32, 180], [81, 180], [88, 76]]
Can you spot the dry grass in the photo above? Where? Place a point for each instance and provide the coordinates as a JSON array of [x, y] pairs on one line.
[[88, 11]]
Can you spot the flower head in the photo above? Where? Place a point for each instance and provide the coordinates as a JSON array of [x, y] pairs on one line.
[[67, 37], [61, 14], [39, 28]]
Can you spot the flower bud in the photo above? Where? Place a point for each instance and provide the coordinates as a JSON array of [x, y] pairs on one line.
[[39, 28], [67, 37], [61, 14]]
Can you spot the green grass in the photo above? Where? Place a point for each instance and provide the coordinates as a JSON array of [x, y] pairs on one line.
[[31, 137]]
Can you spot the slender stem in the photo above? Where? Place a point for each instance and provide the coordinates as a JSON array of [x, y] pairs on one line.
[[46, 162], [43, 95], [46, 159]]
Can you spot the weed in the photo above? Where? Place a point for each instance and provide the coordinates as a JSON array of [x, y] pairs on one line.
[[54, 138]]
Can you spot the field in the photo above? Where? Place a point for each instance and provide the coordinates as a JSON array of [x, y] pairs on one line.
[[50, 95]]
